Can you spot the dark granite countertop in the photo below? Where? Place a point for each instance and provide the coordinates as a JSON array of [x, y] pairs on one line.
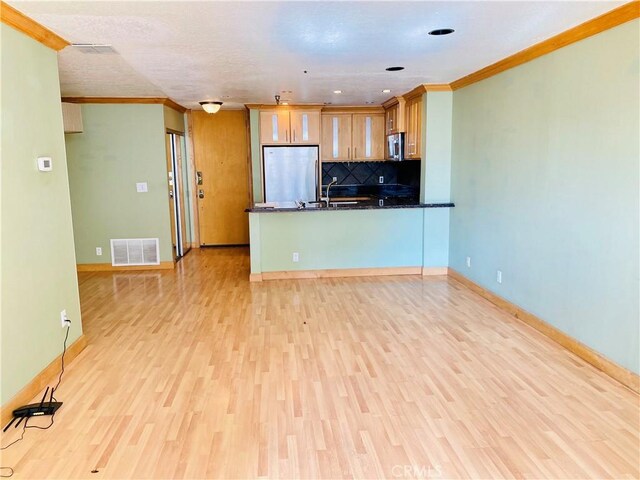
[[373, 204]]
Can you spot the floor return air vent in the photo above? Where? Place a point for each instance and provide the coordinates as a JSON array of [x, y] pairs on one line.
[[134, 251]]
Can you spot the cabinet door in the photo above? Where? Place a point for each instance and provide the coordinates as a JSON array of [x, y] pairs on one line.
[[414, 128], [274, 127], [305, 127], [336, 137], [368, 136], [391, 119]]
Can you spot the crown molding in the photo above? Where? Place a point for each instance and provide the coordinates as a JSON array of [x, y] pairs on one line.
[[615, 17], [12, 17], [130, 100], [273, 106]]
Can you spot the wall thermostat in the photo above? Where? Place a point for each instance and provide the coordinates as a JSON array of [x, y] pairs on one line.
[[45, 164]]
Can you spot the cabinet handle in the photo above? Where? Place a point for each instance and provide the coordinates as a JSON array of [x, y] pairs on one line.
[[200, 193], [355, 152]]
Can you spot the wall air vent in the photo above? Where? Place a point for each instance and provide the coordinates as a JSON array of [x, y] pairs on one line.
[[94, 48], [134, 251]]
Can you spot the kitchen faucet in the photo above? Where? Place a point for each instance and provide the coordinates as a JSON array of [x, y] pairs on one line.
[[326, 199]]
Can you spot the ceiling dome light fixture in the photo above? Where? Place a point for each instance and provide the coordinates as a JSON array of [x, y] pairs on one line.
[[441, 31], [211, 107], [394, 69], [386, 90]]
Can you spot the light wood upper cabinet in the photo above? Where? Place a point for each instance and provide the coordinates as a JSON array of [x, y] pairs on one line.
[[274, 127], [289, 127], [367, 138], [394, 115], [348, 137], [413, 125], [305, 127], [336, 137], [391, 119]]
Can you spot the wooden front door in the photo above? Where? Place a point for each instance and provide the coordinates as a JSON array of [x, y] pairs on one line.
[[220, 143]]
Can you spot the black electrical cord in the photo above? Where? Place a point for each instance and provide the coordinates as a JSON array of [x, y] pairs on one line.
[[64, 350], [6, 476], [25, 426]]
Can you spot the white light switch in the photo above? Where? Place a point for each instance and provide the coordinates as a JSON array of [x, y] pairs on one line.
[[141, 187], [45, 164]]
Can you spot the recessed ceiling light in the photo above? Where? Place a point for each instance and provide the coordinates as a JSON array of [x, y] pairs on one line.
[[394, 69], [442, 31], [386, 90], [337, 91]]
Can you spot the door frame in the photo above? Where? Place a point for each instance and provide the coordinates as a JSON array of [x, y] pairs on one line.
[[177, 197]]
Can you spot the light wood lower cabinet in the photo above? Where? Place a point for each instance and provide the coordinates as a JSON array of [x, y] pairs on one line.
[[350, 137]]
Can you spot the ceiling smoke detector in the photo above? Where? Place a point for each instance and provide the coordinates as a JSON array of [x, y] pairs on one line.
[[94, 48]]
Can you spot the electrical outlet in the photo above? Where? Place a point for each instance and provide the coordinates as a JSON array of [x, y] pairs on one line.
[[64, 320], [499, 276], [380, 179], [98, 251], [296, 257], [335, 179], [468, 262]]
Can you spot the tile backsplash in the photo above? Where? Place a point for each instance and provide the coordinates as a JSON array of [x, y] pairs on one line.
[[369, 173]]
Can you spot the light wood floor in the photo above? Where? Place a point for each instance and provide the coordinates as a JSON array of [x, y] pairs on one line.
[[199, 374]]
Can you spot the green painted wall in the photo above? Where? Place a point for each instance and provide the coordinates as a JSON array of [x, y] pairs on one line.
[[437, 128], [545, 176], [173, 120], [435, 178], [337, 239], [256, 168], [120, 146], [38, 277]]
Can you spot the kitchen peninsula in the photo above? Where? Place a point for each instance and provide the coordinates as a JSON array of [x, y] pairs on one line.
[[348, 240], [394, 221]]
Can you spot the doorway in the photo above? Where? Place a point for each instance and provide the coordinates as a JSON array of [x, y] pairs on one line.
[[221, 149], [179, 197]]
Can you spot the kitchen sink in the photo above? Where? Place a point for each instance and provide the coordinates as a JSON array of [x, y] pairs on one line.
[[332, 204]]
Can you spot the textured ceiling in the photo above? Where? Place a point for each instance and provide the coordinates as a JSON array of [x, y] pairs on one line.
[[245, 52]]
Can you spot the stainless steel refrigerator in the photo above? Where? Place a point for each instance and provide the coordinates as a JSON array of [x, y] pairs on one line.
[[290, 174]]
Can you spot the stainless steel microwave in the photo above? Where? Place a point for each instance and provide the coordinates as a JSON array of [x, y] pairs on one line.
[[395, 147]]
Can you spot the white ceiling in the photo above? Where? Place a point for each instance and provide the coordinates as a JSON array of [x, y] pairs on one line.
[[245, 52]]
